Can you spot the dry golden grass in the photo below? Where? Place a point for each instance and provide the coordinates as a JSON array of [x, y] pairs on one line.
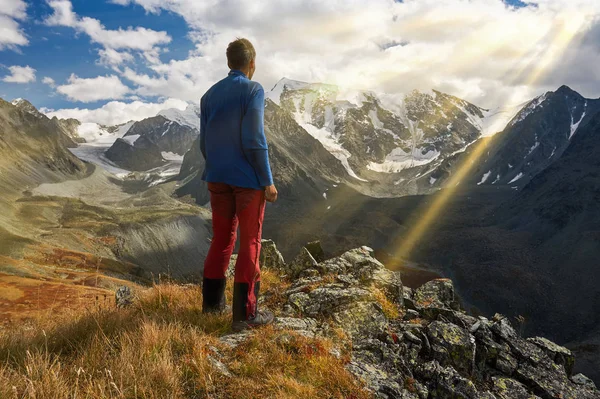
[[390, 309], [163, 347]]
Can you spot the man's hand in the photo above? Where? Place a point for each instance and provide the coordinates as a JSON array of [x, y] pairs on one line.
[[271, 193]]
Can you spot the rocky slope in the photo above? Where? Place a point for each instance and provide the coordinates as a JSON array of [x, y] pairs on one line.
[[68, 227], [414, 343], [388, 144], [535, 138], [147, 143]]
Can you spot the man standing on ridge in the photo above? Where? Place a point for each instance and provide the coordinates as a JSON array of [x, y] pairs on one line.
[[237, 170]]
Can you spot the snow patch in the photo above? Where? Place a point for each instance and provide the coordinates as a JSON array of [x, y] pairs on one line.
[[528, 110], [575, 125], [484, 178], [517, 177], [190, 116], [131, 139], [399, 160], [171, 156], [432, 180]]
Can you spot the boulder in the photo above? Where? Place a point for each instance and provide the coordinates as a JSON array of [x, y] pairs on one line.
[[124, 297], [316, 250], [452, 345], [304, 261], [438, 293], [559, 354], [270, 257], [507, 388]]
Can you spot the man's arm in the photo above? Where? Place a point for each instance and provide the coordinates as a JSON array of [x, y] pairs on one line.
[[202, 128], [254, 141]]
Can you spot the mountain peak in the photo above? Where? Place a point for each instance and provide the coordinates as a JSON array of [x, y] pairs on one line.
[[26, 106], [566, 90]]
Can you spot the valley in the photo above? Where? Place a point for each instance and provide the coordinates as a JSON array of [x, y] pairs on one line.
[[125, 204]]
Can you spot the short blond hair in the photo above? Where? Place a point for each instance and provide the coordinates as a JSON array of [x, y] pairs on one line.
[[239, 53]]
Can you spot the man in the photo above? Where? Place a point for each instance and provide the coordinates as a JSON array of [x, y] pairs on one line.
[[237, 170]]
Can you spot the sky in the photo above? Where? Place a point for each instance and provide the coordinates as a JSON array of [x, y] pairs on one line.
[[110, 61]]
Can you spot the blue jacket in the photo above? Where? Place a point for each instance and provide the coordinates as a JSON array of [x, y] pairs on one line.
[[232, 135]]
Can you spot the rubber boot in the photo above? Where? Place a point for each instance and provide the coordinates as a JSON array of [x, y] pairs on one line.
[[241, 319], [213, 295]]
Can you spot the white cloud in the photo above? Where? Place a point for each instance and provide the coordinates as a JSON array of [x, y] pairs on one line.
[[114, 58], [49, 81], [93, 89], [11, 34], [20, 74], [117, 112], [482, 50], [130, 39], [13, 8]]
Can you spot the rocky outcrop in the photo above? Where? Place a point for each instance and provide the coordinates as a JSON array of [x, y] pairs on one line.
[[416, 344], [140, 156], [168, 135]]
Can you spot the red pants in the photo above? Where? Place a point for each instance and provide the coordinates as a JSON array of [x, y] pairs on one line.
[[233, 206]]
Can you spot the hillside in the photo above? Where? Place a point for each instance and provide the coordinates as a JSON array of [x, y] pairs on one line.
[[70, 231], [345, 328]]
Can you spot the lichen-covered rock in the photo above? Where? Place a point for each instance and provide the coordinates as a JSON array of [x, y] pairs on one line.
[[306, 326], [270, 257], [302, 262], [559, 354], [582, 380], [507, 388], [452, 345], [316, 250], [124, 297], [549, 380], [446, 382], [431, 349], [438, 293]]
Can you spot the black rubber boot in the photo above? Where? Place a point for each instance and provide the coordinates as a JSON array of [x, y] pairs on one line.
[[213, 295], [241, 321]]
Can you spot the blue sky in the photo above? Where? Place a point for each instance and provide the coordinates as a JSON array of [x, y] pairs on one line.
[[57, 52], [110, 60]]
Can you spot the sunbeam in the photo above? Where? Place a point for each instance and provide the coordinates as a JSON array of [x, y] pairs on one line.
[[569, 26]]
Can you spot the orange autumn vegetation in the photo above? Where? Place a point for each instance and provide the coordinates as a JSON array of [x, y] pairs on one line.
[[164, 347]]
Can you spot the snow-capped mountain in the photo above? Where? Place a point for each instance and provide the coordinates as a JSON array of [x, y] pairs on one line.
[[94, 133], [535, 138], [188, 117], [149, 142], [388, 141]]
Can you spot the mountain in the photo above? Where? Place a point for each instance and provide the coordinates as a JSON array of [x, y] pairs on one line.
[[146, 144], [71, 231], [535, 138], [388, 144], [136, 153], [188, 117]]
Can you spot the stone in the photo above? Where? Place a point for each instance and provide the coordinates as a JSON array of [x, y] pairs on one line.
[[507, 388], [306, 326], [270, 257], [302, 262], [438, 293], [411, 315], [124, 296], [581, 379], [445, 382], [502, 327], [452, 345], [549, 380], [316, 250], [559, 354]]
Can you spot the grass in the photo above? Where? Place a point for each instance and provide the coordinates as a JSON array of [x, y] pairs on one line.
[[164, 347]]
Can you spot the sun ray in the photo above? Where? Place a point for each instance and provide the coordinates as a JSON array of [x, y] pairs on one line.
[[570, 26]]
